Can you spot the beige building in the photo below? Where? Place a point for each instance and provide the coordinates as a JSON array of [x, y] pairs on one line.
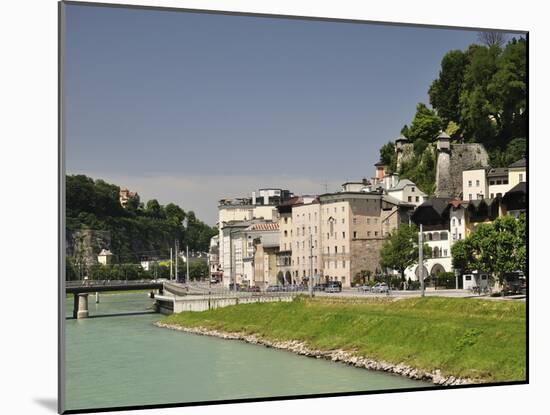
[[306, 240], [265, 237], [353, 229], [474, 184], [517, 172]]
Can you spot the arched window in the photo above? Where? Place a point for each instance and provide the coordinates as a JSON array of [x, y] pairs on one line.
[[444, 236]]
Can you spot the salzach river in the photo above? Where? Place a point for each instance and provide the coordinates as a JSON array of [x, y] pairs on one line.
[[115, 359]]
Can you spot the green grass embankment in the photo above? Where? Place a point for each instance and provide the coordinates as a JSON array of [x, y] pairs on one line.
[[467, 338]]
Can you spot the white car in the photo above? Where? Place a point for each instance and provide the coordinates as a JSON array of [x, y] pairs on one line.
[[380, 287]]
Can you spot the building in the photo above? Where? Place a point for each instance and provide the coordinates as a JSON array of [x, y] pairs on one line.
[[407, 191], [105, 257], [306, 241], [214, 259], [498, 182], [266, 247], [241, 212], [353, 229], [475, 184], [125, 195], [514, 202], [517, 172]]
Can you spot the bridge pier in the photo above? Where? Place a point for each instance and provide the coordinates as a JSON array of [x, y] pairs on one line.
[[82, 306], [75, 305], [97, 297]]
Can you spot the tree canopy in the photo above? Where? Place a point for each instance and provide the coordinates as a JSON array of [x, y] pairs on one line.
[[400, 250], [498, 247]]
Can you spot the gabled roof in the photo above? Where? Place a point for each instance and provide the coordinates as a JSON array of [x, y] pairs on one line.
[[265, 226], [520, 163], [521, 187], [401, 185], [497, 171]]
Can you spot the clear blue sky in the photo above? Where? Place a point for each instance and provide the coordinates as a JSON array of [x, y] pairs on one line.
[[190, 108]]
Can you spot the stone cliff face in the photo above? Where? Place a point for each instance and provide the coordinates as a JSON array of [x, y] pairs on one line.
[[448, 182], [87, 244]]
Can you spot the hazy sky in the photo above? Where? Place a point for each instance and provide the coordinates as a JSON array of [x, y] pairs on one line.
[[191, 108]]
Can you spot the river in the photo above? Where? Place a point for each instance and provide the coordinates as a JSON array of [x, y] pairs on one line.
[[119, 358]]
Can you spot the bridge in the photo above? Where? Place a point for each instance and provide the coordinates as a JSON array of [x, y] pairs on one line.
[[81, 289]]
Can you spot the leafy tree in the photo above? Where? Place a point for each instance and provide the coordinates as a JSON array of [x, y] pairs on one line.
[[492, 38], [387, 155], [445, 91], [425, 124], [400, 250], [497, 247]]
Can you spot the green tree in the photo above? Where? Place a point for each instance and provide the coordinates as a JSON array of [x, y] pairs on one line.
[[425, 124], [445, 91], [400, 250]]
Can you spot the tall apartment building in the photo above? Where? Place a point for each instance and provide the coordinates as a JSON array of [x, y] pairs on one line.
[[306, 240], [353, 228]]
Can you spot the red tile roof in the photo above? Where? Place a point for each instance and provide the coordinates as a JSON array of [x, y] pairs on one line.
[[264, 227]]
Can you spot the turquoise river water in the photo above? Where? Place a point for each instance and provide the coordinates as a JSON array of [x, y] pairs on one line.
[[117, 357]]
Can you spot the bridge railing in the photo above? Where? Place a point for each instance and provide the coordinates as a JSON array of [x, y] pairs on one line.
[[88, 283]]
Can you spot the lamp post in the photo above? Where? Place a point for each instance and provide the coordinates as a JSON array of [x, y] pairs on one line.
[[185, 224], [421, 261]]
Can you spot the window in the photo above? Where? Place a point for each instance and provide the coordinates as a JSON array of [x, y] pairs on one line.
[[499, 182], [454, 222], [417, 198], [354, 220], [470, 196], [309, 216], [409, 199], [521, 177], [459, 236], [375, 221], [344, 264], [286, 219], [286, 234], [444, 252], [477, 182], [335, 249], [412, 189], [505, 181], [375, 233], [468, 277], [343, 249], [459, 221], [484, 277], [492, 182], [343, 235], [298, 260], [355, 234], [343, 220], [469, 183], [343, 209], [335, 264], [316, 230], [368, 233]]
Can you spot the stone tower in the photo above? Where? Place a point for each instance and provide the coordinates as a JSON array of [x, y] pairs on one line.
[[443, 181], [399, 150], [452, 160]]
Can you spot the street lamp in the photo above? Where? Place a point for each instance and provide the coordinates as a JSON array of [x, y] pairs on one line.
[[185, 224]]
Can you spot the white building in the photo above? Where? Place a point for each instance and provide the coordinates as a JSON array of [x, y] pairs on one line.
[[474, 184], [407, 191]]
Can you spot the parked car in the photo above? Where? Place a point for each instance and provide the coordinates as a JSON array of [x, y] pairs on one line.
[[380, 287], [364, 288], [319, 287], [273, 288], [334, 287], [254, 289]]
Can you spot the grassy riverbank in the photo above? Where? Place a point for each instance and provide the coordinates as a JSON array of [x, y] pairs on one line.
[[467, 338]]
